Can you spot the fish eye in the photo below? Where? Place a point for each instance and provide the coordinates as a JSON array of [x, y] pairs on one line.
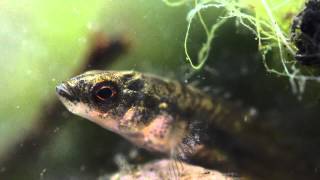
[[104, 92]]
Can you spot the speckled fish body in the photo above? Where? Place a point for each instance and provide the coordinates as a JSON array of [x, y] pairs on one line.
[[153, 113], [178, 120], [160, 115]]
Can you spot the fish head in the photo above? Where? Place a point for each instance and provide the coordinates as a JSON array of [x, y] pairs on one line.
[[128, 103]]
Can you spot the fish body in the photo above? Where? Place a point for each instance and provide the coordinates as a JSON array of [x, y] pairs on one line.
[[182, 122], [152, 112], [168, 117]]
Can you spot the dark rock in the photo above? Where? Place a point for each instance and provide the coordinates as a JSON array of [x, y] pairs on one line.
[[306, 34]]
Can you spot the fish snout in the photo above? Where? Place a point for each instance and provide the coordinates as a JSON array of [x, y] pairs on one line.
[[64, 90]]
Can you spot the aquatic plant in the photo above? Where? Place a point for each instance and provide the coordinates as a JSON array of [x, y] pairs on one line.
[[269, 20]]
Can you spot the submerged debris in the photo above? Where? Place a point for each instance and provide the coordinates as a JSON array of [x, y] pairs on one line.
[[160, 170], [306, 34]]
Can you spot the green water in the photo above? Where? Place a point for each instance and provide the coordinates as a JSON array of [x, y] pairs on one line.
[[46, 42]]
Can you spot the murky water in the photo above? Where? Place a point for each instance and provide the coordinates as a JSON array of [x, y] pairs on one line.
[[271, 134]]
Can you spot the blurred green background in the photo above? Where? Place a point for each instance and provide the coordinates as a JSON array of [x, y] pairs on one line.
[[45, 42]]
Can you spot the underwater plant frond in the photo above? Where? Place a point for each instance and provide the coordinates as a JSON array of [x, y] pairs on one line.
[[265, 19], [206, 47]]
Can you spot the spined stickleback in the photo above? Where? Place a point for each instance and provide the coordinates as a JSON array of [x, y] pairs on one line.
[[165, 116], [151, 112]]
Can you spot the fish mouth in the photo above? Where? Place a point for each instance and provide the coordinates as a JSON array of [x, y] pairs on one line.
[[64, 90]]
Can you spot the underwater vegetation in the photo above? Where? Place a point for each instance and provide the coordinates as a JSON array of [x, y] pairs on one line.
[[269, 21], [258, 58]]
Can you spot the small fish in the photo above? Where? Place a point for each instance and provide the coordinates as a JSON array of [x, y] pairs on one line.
[[160, 115], [153, 113], [180, 121]]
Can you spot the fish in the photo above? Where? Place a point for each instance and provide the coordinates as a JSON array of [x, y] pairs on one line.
[[172, 118], [151, 112]]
